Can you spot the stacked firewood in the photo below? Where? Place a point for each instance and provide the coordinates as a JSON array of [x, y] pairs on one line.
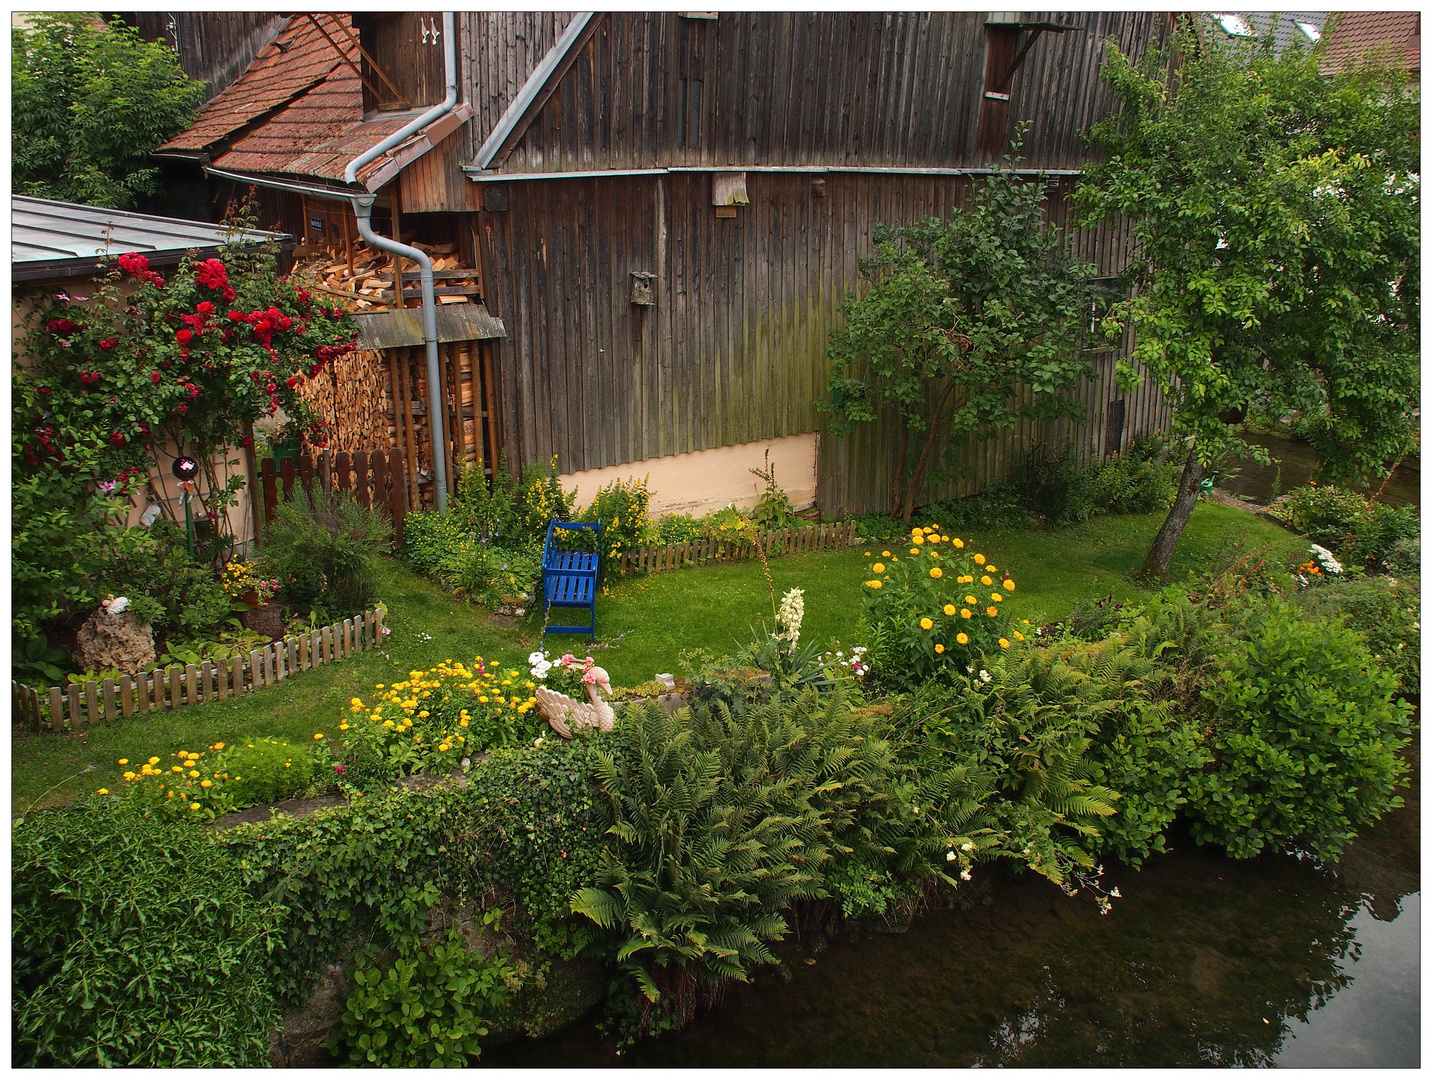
[[366, 282], [351, 395]]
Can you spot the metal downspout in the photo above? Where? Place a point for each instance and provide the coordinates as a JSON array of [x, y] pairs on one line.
[[363, 209]]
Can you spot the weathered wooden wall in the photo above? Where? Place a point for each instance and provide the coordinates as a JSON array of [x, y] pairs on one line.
[[655, 89], [733, 350], [214, 46], [499, 50]]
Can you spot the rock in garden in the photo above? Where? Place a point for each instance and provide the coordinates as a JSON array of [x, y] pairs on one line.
[[112, 639]]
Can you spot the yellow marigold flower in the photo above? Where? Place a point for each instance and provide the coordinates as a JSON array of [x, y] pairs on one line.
[[949, 609], [914, 551], [102, 791], [939, 648], [885, 554], [986, 580], [964, 613], [944, 539], [355, 701], [874, 584], [176, 768], [154, 761], [932, 538], [343, 726], [991, 611], [995, 597], [971, 600], [1004, 643], [1018, 636], [482, 699], [129, 775], [387, 723], [958, 542], [1008, 585], [444, 748], [936, 572], [867, 554], [377, 686], [963, 639], [917, 538], [463, 722], [194, 774], [376, 716], [206, 783], [979, 560], [992, 568], [193, 806], [879, 568], [124, 761], [318, 735], [925, 624]]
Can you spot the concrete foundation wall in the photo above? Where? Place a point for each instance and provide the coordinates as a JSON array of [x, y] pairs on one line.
[[704, 480]]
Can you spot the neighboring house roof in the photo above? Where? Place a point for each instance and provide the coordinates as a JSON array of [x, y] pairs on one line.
[[1300, 28], [1356, 34], [51, 239]]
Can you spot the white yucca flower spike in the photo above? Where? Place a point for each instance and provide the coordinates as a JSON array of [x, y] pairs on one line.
[[790, 616]]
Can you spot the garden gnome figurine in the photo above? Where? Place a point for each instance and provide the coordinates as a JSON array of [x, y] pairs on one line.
[[566, 715]]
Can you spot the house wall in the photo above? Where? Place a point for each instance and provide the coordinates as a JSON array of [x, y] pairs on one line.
[[733, 349], [813, 88]]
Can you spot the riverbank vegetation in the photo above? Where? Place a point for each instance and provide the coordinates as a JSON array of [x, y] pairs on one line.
[[1063, 717]]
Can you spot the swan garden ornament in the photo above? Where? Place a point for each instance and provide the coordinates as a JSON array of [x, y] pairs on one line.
[[566, 715]]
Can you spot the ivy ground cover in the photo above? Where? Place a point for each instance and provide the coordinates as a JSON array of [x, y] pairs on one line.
[[648, 621]]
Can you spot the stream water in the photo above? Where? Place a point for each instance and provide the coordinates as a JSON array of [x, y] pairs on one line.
[[1295, 463], [1204, 961]]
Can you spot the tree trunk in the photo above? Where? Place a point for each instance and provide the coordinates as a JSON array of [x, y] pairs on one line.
[[917, 476], [1161, 554], [897, 482]]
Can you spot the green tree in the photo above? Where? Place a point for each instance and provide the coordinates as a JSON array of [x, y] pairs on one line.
[[1276, 269], [966, 325], [89, 104]]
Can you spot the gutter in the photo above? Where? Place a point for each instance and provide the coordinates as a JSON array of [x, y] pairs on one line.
[[488, 176], [363, 211]]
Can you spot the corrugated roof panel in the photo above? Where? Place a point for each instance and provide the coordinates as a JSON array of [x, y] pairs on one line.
[[57, 239]]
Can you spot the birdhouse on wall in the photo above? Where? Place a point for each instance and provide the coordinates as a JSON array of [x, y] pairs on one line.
[[728, 191], [642, 292]]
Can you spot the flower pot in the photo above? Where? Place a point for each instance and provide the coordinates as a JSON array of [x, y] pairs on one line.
[[266, 619]]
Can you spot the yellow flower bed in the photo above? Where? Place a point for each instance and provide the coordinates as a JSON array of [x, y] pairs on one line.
[[939, 608]]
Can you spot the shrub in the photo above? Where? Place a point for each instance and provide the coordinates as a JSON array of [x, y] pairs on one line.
[[1055, 486], [372, 870], [1027, 719], [677, 529], [1306, 736], [540, 498], [1385, 611], [434, 543], [425, 1010], [621, 507], [135, 944], [1138, 481], [192, 598], [496, 578], [324, 550], [1325, 513], [773, 509], [994, 508], [721, 820], [483, 508], [934, 608], [538, 826], [1363, 533]]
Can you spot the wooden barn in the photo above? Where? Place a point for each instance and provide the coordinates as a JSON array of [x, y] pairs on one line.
[[646, 221]]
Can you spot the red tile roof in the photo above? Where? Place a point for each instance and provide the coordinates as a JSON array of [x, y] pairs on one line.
[[297, 111], [295, 61], [1360, 33]]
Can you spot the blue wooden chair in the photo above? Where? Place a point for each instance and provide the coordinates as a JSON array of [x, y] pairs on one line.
[[569, 578]]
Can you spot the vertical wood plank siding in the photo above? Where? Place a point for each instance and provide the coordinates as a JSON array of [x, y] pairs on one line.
[[885, 89], [734, 349]]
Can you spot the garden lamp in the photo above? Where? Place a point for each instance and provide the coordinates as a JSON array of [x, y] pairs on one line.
[[186, 468]]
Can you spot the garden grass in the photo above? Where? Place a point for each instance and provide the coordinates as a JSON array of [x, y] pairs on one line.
[[645, 624]]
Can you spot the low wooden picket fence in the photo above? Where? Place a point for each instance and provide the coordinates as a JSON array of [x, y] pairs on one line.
[[798, 541], [373, 479], [80, 705]]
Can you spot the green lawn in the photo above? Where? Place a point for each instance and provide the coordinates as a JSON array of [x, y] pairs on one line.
[[645, 624]]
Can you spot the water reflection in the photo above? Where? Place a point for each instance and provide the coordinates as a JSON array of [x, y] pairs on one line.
[[1294, 465], [1204, 962]]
